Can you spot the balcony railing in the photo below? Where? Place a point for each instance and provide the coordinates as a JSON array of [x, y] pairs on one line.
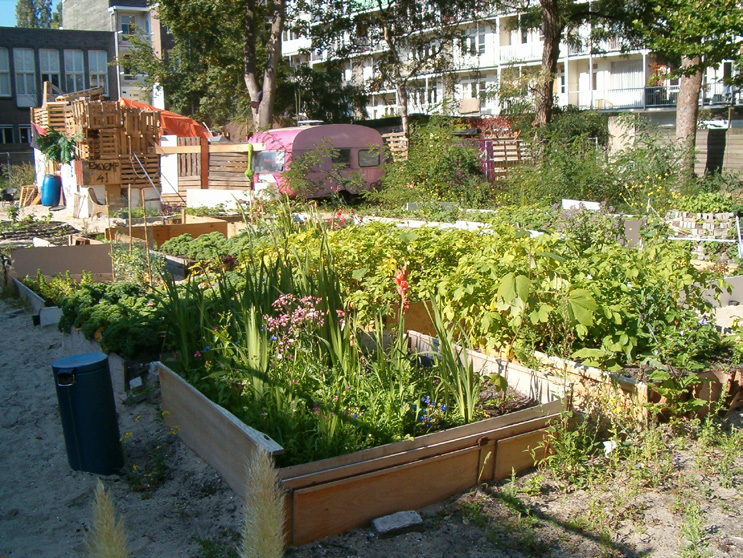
[[664, 96], [520, 53]]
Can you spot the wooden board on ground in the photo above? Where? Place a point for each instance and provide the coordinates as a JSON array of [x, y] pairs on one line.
[[160, 233], [94, 259]]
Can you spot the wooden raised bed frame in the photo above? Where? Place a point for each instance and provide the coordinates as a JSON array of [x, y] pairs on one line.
[[329, 496]]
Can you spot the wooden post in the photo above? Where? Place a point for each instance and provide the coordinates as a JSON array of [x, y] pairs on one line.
[[108, 218], [204, 163], [146, 240], [129, 208]]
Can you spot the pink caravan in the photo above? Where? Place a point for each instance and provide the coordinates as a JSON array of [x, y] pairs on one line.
[[357, 152]]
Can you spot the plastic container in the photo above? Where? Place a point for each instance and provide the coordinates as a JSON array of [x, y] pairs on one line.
[[88, 412], [51, 190]]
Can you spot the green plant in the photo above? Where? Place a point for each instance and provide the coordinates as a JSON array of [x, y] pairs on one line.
[[693, 536], [439, 167], [56, 147]]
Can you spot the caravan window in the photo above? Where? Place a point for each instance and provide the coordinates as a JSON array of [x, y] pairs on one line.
[[341, 155], [368, 157], [268, 162]]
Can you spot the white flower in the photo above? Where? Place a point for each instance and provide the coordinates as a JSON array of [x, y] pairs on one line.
[[589, 276]]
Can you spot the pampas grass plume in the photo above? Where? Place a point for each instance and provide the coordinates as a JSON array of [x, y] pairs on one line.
[[263, 525], [107, 538]]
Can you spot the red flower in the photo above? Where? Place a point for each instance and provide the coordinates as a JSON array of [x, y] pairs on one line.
[[402, 286]]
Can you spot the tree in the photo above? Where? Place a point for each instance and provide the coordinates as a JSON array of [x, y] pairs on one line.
[[409, 37], [202, 72], [701, 33], [561, 19], [34, 14]]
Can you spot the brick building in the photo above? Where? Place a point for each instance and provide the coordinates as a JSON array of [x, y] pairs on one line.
[[71, 60]]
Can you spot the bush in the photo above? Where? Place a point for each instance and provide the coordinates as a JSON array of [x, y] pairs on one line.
[[440, 167]]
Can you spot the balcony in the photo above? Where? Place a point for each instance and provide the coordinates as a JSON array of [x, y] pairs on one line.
[[527, 52], [642, 98]]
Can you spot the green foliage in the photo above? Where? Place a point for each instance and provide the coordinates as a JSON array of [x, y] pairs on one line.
[[439, 167], [34, 14], [317, 170], [705, 202], [56, 147], [15, 176]]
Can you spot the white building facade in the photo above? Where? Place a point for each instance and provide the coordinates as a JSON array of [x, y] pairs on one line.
[[497, 50]]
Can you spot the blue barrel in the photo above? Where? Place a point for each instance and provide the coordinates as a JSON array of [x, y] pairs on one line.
[[88, 412], [51, 189]]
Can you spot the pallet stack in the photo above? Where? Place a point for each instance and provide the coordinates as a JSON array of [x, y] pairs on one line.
[[50, 116], [107, 132]]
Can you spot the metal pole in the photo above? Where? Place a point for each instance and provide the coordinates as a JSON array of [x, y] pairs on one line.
[[740, 242]]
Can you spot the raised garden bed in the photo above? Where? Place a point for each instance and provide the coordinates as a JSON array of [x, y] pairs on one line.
[[46, 315], [634, 396], [333, 495]]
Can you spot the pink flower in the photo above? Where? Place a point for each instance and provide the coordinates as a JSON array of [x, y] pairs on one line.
[[197, 354]]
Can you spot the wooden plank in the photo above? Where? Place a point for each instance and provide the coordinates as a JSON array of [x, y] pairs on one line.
[[56, 260], [204, 163], [407, 456], [335, 507], [180, 149], [513, 454], [211, 431], [160, 233], [427, 440]]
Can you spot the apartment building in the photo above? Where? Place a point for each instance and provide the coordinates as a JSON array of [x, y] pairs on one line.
[[126, 19], [70, 60], [497, 50]]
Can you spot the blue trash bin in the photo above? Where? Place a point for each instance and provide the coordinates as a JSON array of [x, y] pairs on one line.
[[88, 412]]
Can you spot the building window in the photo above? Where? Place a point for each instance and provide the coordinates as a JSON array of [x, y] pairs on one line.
[[74, 70], [6, 134], [25, 77], [4, 73], [24, 133], [49, 66], [128, 25], [98, 69], [432, 95]]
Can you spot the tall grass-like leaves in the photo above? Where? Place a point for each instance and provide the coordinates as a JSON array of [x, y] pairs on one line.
[[107, 538], [263, 525], [456, 371]]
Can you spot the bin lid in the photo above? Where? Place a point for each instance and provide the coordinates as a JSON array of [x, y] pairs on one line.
[[81, 363]]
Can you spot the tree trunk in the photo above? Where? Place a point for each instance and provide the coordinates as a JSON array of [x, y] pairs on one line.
[[550, 53], [262, 98], [270, 75], [251, 79], [402, 98], [687, 111]]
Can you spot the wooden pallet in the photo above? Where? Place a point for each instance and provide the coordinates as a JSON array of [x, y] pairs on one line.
[[227, 170], [50, 117], [133, 175], [140, 123], [140, 144], [397, 143], [95, 115], [100, 144]]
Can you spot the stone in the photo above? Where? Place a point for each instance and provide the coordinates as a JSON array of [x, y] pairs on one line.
[[397, 523]]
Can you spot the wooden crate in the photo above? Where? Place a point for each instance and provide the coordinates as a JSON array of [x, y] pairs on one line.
[[133, 175], [50, 116], [143, 144], [95, 115], [140, 123], [100, 144], [333, 495]]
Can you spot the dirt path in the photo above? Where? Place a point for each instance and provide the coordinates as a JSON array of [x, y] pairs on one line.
[[174, 505]]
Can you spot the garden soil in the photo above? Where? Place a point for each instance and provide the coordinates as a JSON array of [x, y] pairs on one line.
[[175, 505]]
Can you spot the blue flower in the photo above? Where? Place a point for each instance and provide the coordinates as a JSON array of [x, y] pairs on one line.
[[415, 408], [428, 399], [434, 403], [443, 407], [423, 399], [274, 338], [206, 349], [422, 418], [355, 415]]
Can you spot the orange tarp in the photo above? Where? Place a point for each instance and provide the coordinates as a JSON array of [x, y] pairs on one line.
[[170, 122]]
